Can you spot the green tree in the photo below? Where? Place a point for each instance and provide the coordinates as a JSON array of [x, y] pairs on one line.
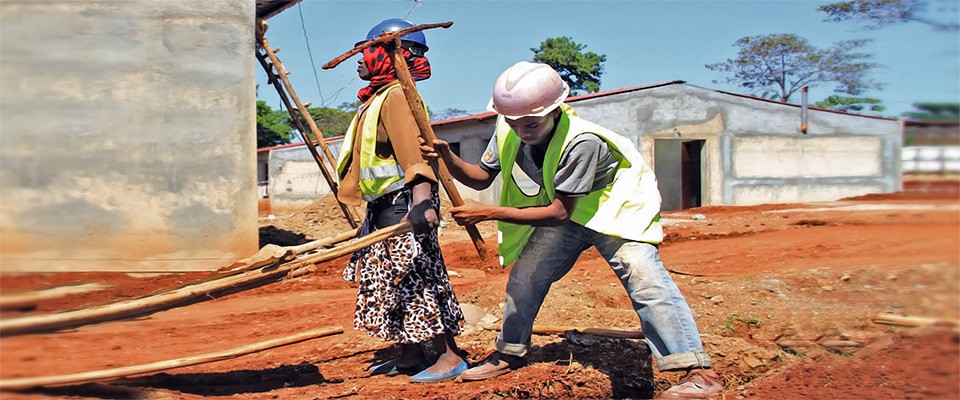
[[273, 126], [581, 70], [776, 66], [848, 104], [331, 121], [935, 112], [876, 14]]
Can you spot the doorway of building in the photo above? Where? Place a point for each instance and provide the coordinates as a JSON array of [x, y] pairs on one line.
[[677, 164]]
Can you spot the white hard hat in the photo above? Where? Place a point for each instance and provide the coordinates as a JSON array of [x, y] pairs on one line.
[[528, 90]]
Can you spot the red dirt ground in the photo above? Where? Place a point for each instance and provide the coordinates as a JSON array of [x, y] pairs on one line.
[[784, 296]]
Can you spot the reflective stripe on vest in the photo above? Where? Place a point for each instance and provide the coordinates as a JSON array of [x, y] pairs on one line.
[[378, 176], [628, 208]]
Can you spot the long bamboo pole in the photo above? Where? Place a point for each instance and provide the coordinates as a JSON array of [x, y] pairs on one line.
[[191, 294], [121, 372]]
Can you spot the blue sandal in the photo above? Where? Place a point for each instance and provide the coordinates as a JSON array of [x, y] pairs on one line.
[[429, 377]]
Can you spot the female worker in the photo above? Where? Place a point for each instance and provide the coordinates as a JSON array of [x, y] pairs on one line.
[[405, 294]]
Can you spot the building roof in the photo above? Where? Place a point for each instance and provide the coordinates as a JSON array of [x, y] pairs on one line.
[[574, 99], [284, 146], [269, 8]]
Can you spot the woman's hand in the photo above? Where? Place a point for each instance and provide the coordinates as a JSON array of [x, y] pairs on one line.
[[422, 215]]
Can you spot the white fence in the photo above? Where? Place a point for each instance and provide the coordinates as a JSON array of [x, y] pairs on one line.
[[930, 159]]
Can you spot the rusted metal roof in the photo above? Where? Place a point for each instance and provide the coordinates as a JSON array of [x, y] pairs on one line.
[[269, 8]]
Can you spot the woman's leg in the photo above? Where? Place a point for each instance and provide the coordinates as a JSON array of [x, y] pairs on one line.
[[450, 355]]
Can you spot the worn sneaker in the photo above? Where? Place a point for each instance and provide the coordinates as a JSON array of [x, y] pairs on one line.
[[495, 364], [697, 384]]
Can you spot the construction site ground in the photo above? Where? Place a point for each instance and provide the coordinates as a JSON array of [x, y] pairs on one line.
[[785, 297]]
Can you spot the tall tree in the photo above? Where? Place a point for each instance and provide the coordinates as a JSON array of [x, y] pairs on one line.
[[581, 70], [880, 13], [331, 121], [273, 126], [776, 66], [848, 104], [935, 112]]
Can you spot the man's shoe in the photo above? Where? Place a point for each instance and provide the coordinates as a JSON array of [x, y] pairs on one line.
[[495, 364], [698, 384], [429, 377]]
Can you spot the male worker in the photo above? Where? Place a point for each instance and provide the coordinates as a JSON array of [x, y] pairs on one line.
[[595, 190]]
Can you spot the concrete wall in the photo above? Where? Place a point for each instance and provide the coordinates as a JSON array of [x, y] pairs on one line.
[[294, 178], [128, 135]]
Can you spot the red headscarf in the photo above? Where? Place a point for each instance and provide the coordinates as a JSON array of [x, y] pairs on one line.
[[380, 65]]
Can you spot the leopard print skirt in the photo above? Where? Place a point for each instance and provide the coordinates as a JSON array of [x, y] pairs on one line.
[[404, 294]]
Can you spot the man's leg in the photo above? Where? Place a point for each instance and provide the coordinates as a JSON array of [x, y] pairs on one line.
[[665, 316], [546, 258]]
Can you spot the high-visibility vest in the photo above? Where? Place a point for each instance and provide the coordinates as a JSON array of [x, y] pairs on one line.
[[378, 176], [628, 208]]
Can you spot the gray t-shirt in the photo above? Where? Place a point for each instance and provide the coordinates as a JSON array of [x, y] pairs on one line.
[[586, 165]]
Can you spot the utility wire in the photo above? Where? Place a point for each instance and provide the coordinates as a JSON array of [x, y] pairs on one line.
[[416, 3], [313, 64]]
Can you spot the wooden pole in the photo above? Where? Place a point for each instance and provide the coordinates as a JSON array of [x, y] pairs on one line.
[[426, 130], [558, 329], [193, 293], [277, 76], [272, 253], [121, 372], [10, 301]]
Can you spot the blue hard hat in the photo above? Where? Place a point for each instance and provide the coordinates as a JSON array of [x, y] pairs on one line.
[[416, 42]]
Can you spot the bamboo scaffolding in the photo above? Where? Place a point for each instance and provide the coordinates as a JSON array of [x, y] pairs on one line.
[[122, 372], [194, 293], [277, 76]]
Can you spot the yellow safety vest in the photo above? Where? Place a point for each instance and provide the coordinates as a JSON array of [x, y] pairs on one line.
[[629, 208], [378, 176]]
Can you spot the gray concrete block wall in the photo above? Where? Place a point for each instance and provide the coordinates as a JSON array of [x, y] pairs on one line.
[[755, 148], [128, 135]]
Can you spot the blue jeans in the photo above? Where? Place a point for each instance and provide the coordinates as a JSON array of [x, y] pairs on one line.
[[665, 317]]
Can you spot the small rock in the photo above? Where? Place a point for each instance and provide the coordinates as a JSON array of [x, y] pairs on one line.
[[698, 217], [471, 313], [717, 299], [845, 277], [454, 274], [754, 362], [892, 277], [827, 288]]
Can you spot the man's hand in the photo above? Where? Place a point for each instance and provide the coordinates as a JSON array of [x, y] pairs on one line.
[[471, 212], [433, 151]]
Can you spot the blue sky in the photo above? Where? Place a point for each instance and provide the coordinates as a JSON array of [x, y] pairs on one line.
[[644, 42]]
